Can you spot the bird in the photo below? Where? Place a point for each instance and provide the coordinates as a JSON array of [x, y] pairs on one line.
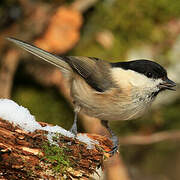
[[115, 91]]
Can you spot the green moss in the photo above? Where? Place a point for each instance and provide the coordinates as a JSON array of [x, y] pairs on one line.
[[55, 155]]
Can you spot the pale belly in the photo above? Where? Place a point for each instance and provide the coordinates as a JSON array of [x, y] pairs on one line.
[[111, 106], [115, 112]]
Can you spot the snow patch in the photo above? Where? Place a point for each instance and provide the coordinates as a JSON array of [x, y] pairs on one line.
[[90, 142], [58, 129], [20, 116]]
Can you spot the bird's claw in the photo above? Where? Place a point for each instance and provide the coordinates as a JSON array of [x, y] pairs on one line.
[[113, 151], [73, 129], [115, 142]]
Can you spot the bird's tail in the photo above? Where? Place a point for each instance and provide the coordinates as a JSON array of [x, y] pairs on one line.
[[46, 56]]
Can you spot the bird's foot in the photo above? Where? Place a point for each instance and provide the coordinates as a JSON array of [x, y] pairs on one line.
[[74, 126], [114, 150], [113, 138], [115, 142], [74, 129]]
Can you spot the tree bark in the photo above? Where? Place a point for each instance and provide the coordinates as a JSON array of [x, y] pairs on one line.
[[26, 155]]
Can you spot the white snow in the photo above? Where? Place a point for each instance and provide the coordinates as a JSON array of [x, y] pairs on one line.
[[20, 116], [57, 129], [90, 142]]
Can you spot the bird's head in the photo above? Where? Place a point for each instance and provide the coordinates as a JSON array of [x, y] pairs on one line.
[[145, 75]]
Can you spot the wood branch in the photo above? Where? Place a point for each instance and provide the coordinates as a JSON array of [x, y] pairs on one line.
[[116, 168], [28, 155], [149, 139], [7, 69]]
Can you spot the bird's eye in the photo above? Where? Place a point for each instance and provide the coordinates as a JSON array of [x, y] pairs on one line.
[[149, 74]]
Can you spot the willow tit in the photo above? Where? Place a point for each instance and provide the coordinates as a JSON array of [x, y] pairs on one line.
[[108, 91]]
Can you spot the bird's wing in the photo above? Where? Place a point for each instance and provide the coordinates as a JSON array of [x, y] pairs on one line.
[[94, 71]]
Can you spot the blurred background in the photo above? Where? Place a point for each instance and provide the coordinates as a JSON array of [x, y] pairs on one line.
[[114, 30]]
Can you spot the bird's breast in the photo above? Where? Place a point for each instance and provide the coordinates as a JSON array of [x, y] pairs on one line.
[[113, 104]]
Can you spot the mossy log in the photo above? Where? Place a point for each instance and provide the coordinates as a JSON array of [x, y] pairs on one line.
[[29, 155]]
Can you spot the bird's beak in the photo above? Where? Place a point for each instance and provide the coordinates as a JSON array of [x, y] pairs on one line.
[[167, 84]]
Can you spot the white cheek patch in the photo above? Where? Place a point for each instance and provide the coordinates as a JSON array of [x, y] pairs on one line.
[[125, 78], [138, 80], [121, 77], [141, 81]]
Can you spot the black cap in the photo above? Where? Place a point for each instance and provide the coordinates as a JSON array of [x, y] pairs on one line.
[[149, 68]]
